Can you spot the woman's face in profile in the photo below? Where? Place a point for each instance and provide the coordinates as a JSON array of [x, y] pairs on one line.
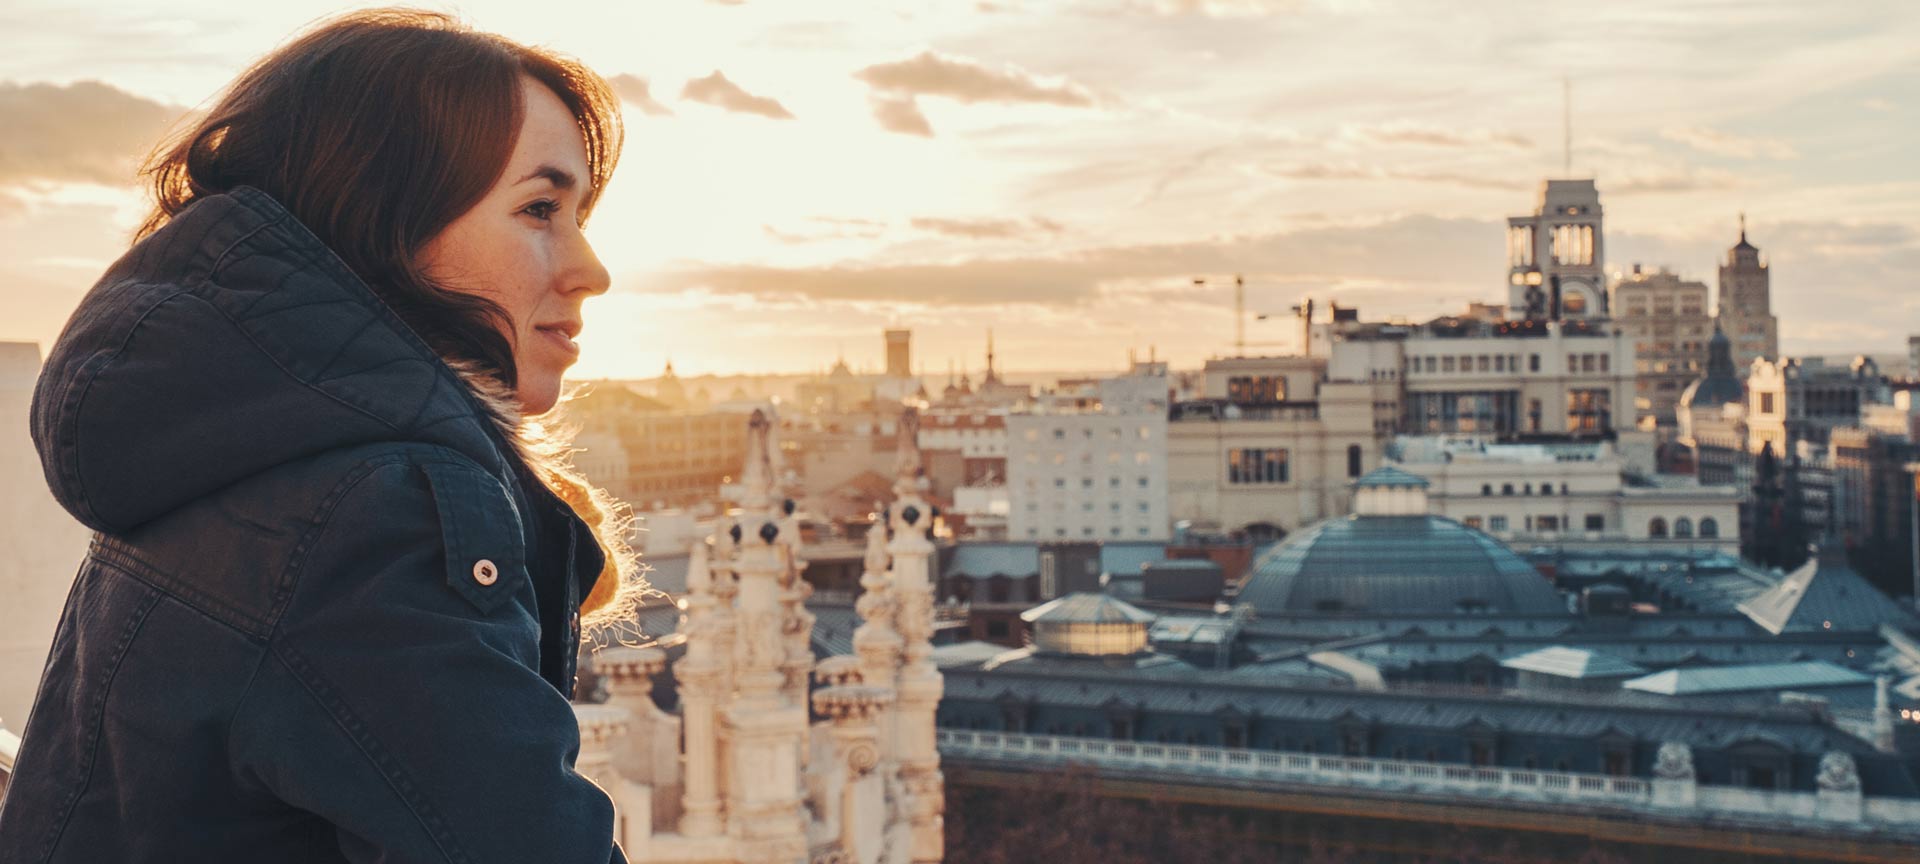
[[522, 248]]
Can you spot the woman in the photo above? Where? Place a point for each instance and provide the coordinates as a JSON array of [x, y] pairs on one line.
[[332, 606]]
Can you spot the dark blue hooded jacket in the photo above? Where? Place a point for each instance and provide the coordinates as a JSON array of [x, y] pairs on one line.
[[327, 613]]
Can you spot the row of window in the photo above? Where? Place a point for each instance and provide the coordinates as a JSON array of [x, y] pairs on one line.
[[1085, 483], [1114, 433], [1486, 489], [1683, 528], [1087, 531], [1263, 465], [1087, 506], [1114, 457], [1477, 363]]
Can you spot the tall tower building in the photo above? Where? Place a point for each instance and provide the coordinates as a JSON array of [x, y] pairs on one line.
[[1746, 304], [899, 353], [1666, 316], [1556, 256]]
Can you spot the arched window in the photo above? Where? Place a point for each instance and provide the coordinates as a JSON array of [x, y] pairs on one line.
[[1709, 528], [1683, 527], [1657, 527], [1353, 460]]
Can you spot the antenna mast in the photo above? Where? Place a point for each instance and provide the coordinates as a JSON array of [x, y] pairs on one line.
[[1566, 124]]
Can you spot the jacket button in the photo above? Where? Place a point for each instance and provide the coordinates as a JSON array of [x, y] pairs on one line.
[[485, 573]]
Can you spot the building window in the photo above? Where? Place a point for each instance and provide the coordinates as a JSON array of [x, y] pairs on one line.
[[1446, 363], [1496, 523], [1588, 410], [1143, 482], [1506, 488], [1257, 465], [1353, 460], [1533, 362], [1252, 390], [1059, 434], [1430, 362], [1683, 528], [1657, 528], [1482, 363], [1766, 403], [1471, 522], [1596, 522], [1546, 524], [1709, 528], [1486, 489]]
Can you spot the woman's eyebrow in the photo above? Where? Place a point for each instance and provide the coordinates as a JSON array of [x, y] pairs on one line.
[[560, 178]]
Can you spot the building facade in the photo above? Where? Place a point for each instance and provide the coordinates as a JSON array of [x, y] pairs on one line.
[[1746, 303], [1272, 448], [1569, 494], [1556, 256], [651, 455], [1668, 320], [1091, 463]]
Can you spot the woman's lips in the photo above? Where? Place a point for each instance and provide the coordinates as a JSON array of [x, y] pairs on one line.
[[560, 339]]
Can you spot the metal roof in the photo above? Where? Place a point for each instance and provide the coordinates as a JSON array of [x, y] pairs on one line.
[[1387, 475], [1396, 564], [1129, 558], [986, 560], [1086, 607], [1824, 594], [1758, 676], [1565, 662]]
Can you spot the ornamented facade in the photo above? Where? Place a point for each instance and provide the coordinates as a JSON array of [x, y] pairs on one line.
[[774, 755]]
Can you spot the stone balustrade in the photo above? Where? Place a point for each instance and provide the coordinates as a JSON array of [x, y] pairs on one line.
[[1834, 809]]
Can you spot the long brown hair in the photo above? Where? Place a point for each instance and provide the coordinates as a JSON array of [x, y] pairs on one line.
[[377, 129]]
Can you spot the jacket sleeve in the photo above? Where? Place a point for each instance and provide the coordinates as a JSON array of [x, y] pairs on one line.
[[399, 700]]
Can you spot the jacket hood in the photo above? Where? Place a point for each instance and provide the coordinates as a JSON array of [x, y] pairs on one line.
[[228, 342]]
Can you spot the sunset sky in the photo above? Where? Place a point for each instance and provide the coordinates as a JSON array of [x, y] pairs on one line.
[[799, 175]]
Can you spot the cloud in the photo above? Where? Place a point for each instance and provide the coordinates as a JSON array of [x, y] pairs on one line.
[[1641, 180], [900, 113], [967, 81], [1875, 103], [898, 85], [85, 132], [1720, 143], [634, 90], [1362, 172], [1211, 8], [719, 92], [987, 229], [1414, 252], [1423, 135]]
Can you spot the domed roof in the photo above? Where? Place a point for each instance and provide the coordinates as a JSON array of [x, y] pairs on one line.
[[1721, 386], [1412, 564]]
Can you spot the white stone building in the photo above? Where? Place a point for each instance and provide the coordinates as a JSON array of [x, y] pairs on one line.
[[1273, 447], [739, 774], [1091, 463], [1569, 494]]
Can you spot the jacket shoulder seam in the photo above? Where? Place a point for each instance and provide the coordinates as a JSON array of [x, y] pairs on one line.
[[408, 455]]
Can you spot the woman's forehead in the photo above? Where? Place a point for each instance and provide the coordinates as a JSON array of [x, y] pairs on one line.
[[549, 135]]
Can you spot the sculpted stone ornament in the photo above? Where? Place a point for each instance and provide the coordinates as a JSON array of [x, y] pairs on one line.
[[1674, 762], [1838, 773]]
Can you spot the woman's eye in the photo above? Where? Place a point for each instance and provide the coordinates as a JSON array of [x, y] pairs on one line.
[[542, 210]]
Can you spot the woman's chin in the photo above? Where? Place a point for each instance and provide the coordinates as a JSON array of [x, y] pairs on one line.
[[538, 393]]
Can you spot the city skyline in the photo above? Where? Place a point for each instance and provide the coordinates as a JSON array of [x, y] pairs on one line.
[[795, 180]]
